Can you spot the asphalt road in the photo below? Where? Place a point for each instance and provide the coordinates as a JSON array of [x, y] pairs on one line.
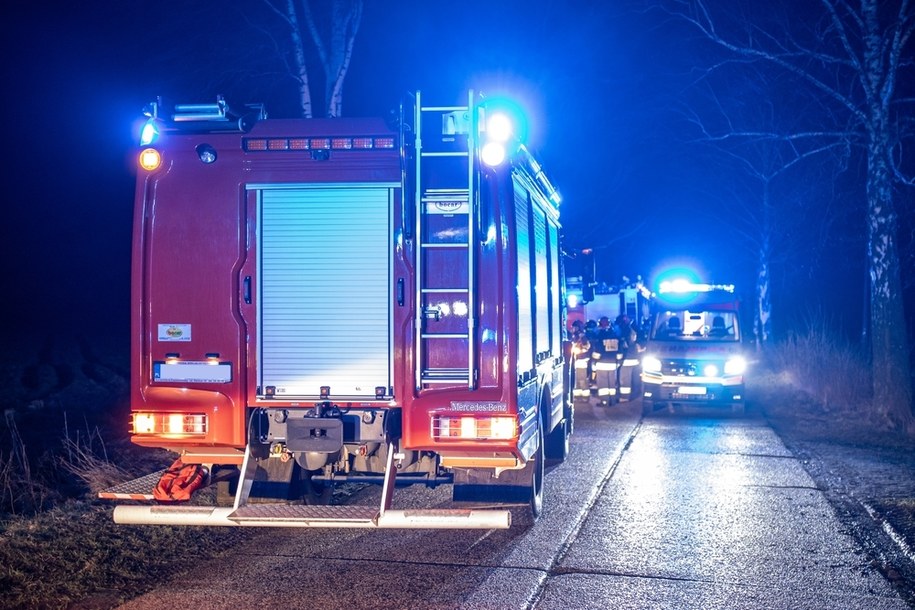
[[676, 511]]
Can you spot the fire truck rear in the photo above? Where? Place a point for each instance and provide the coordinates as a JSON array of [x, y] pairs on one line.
[[322, 301], [694, 354]]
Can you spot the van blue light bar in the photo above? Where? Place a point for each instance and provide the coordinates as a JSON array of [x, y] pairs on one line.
[[684, 286]]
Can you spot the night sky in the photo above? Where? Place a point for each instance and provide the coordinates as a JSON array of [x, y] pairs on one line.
[[605, 86]]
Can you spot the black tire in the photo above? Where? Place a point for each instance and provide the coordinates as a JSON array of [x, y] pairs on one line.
[[536, 466], [647, 408], [557, 443]]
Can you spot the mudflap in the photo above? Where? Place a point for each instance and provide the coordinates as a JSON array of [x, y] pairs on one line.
[[272, 480], [481, 485]]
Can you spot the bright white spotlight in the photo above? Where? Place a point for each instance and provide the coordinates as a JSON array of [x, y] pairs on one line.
[[499, 127], [493, 153]]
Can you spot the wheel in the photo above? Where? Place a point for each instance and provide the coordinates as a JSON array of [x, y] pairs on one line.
[[522, 487], [535, 500], [647, 408], [557, 443]]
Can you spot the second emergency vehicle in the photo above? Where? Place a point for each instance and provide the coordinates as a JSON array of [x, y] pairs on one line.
[[694, 354]]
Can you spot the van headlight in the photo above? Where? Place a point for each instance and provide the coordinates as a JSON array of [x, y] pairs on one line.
[[651, 364], [735, 366]]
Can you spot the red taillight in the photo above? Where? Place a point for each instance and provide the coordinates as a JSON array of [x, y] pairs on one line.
[[470, 427], [169, 424]]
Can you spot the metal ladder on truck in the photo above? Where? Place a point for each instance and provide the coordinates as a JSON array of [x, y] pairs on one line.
[[444, 202]]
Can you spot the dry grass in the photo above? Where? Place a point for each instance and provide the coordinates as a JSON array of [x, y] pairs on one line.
[[829, 372], [23, 491], [75, 553], [71, 554], [818, 385], [85, 457]]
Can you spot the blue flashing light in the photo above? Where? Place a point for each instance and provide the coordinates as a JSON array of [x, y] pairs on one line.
[[677, 273], [149, 133], [499, 127], [493, 153], [684, 286], [504, 114]]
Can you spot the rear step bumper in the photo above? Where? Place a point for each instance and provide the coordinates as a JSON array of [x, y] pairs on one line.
[[270, 515]]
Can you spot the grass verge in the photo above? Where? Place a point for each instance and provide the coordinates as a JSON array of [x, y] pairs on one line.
[[74, 556]]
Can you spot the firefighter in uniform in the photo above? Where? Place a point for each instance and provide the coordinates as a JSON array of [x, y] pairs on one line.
[[627, 355], [604, 352], [581, 346]]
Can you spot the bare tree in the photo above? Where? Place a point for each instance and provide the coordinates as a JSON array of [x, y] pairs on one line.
[[331, 26], [762, 155], [851, 58]]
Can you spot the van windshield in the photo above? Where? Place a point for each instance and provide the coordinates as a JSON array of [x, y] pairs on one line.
[[695, 326]]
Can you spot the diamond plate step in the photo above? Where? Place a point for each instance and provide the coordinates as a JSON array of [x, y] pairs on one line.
[[290, 513], [137, 489]]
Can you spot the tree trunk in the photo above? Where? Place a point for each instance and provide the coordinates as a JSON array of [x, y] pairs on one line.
[[345, 24], [300, 65], [762, 324], [889, 344]]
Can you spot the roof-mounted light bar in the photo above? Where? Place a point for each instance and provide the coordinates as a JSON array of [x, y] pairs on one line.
[[319, 143], [681, 286]]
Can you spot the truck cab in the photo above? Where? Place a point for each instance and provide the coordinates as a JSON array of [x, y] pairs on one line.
[[694, 354]]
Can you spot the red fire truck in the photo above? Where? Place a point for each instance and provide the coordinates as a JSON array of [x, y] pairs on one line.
[[322, 301]]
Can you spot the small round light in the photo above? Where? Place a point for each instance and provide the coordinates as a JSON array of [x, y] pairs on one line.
[[710, 370], [493, 154], [150, 159]]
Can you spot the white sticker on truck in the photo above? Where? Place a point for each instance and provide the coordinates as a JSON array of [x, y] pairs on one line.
[[174, 332]]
